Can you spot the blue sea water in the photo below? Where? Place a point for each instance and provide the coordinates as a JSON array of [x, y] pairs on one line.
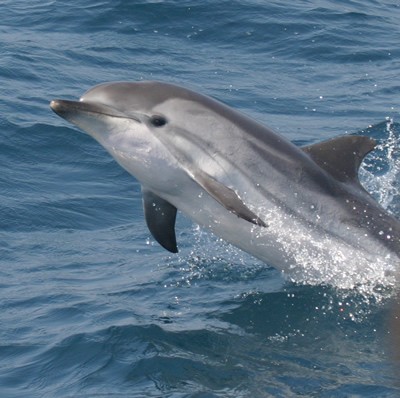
[[90, 305]]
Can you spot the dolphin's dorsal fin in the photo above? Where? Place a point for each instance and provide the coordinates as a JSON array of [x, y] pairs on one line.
[[341, 156], [160, 218], [227, 197]]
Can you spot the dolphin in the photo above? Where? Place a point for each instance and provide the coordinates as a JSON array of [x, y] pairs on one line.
[[299, 209]]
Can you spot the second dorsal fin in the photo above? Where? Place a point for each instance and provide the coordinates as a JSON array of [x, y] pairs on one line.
[[341, 157]]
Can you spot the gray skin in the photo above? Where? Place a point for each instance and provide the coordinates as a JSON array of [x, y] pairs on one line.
[[288, 206]]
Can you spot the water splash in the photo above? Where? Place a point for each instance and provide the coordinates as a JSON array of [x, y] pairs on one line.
[[212, 258], [380, 172]]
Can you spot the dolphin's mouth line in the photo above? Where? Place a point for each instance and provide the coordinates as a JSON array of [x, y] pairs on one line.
[[66, 108], [118, 116]]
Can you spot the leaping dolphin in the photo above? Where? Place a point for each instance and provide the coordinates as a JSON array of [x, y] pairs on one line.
[[294, 208]]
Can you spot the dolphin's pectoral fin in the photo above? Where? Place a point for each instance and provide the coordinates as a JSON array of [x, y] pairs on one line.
[[226, 197], [341, 156], [160, 218]]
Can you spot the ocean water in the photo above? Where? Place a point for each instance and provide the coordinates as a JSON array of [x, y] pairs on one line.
[[90, 305]]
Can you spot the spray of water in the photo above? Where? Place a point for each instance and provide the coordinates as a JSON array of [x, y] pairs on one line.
[[381, 170]]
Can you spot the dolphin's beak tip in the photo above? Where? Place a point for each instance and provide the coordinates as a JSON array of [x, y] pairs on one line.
[[59, 106], [54, 104]]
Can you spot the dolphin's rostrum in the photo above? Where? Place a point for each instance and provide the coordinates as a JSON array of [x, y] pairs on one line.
[[250, 186]]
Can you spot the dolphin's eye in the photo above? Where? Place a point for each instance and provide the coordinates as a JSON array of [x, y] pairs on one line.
[[158, 121]]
